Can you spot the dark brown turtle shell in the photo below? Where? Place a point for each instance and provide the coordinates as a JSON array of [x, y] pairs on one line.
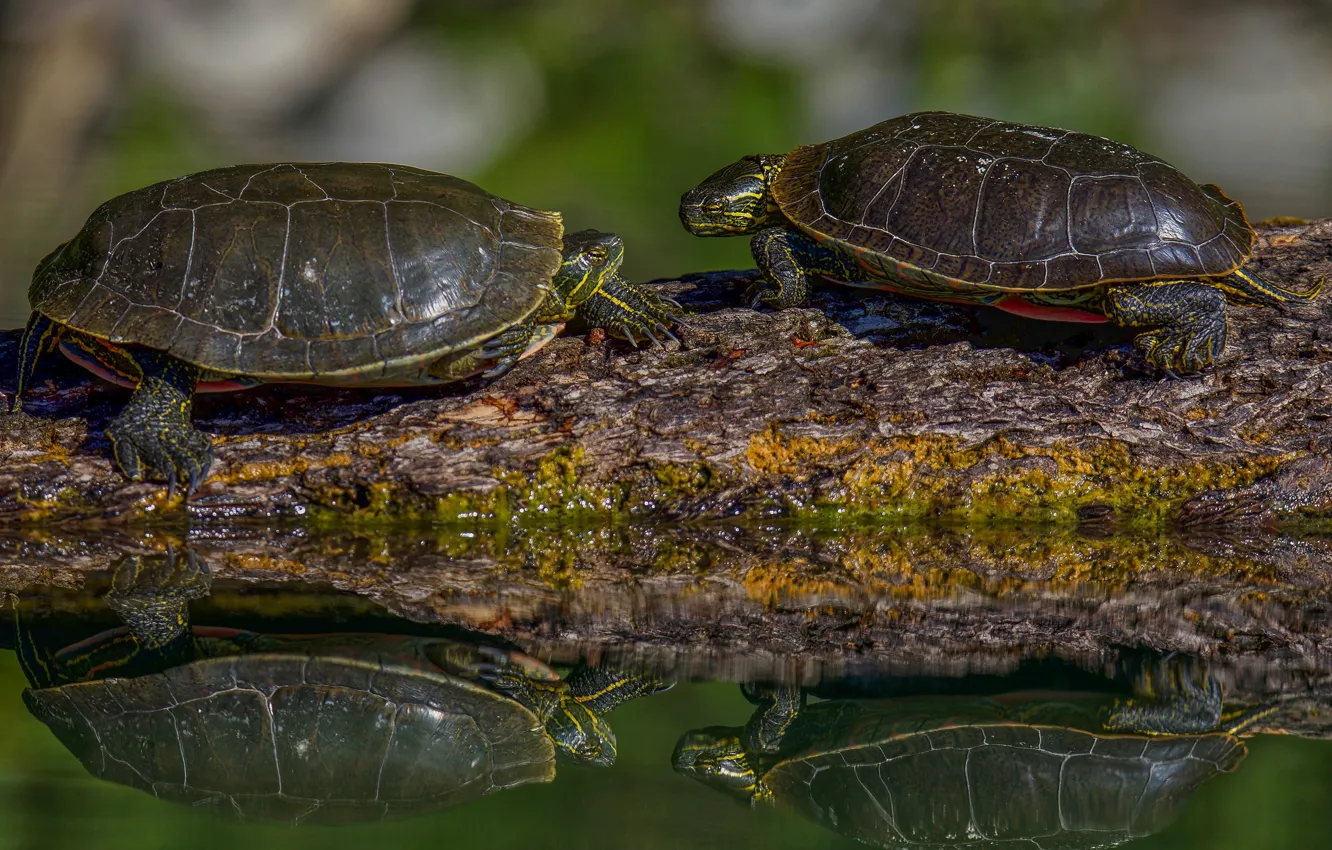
[[890, 780], [300, 737], [1009, 206], [303, 271]]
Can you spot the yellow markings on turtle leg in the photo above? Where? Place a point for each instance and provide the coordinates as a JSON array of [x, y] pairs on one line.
[[618, 684], [623, 306]]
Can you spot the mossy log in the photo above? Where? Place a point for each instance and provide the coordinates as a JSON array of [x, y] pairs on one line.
[[854, 407]]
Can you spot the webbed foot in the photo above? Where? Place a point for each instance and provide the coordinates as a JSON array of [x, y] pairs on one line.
[[152, 437], [160, 447], [777, 707], [507, 348], [631, 312], [1188, 322], [780, 255], [151, 594]]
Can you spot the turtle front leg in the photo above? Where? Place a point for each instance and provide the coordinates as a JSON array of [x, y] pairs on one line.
[[629, 311], [152, 437], [777, 707], [151, 594], [1187, 321], [787, 258], [506, 349], [1175, 700], [1180, 696], [578, 733], [603, 689]]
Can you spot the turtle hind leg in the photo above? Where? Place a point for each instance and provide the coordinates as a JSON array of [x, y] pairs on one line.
[[36, 338], [1187, 321], [629, 311], [152, 436]]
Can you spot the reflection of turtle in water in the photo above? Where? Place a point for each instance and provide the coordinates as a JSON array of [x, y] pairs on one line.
[[318, 727], [1032, 771]]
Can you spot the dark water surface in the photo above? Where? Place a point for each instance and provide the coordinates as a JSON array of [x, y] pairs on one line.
[[906, 756]]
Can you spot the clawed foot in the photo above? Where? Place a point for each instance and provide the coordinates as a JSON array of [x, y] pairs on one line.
[[632, 313], [506, 349], [1186, 322], [662, 326], [1183, 352], [151, 594], [160, 450], [772, 294]]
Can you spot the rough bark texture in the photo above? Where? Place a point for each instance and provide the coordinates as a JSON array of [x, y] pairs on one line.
[[855, 405]]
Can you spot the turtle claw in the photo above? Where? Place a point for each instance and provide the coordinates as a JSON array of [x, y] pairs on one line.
[[506, 349], [500, 369], [1180, 352], [175, 454]]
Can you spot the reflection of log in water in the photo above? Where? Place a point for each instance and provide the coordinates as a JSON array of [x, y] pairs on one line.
[[862, 604], [1043, 764], [861, 404]]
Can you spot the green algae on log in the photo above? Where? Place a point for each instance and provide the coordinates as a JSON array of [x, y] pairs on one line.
[[858, 406]]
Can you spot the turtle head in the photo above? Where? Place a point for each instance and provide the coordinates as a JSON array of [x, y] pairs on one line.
[[734, 201], [715, 757], [580, 735], [590, 258]]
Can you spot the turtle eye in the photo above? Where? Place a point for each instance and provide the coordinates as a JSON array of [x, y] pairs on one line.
[[597, 253]]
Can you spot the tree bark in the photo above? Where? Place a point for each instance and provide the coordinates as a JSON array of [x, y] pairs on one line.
[[856, 407]]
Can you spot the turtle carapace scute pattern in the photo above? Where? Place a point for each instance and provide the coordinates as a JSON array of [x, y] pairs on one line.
[[1037, 221], [345, 274]]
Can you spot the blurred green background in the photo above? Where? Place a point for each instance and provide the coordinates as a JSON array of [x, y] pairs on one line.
[[609, 109], [1274, 799]]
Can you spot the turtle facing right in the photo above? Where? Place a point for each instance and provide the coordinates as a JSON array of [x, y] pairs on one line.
[[319, 728], [335, 273]]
